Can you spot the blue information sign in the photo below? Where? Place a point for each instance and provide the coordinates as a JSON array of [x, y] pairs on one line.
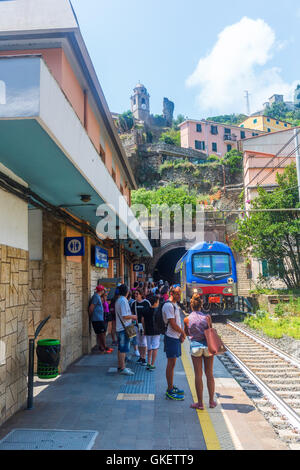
[[74, 246], [138, 268], [101, 257]]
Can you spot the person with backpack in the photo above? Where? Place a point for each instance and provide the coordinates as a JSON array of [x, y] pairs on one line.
[[151, 333], [137, 308], [174, 336], [96, 313]]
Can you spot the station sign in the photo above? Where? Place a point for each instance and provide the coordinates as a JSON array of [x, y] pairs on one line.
[[101, 257], [74, 246], [139, 268]]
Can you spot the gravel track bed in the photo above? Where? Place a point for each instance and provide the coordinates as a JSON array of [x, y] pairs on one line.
[[285, 432]]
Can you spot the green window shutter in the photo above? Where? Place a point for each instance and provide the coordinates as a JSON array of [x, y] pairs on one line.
[[265, 270]]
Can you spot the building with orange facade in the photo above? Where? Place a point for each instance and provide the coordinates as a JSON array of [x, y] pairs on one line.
[[65, 185]]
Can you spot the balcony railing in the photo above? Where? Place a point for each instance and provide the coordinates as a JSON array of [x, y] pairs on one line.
[[230, 137]]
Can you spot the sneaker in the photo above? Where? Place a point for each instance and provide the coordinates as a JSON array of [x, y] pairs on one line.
[[137, 353], [173, 396], [126, 371], [139, 361], [143, 362], [150, 367], [177, 391]]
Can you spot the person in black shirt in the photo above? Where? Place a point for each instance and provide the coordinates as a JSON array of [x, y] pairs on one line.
[[138, 307], [152, 336]]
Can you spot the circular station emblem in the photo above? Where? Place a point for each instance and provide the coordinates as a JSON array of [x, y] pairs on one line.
[[74, 246]]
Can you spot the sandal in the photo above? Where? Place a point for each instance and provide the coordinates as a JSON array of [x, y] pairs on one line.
[[196, 406], [213, 404]]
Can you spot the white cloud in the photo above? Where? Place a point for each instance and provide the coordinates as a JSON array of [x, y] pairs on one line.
[[235, 64]]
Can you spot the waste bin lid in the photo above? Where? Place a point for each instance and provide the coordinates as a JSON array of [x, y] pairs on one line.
[[48, 342]]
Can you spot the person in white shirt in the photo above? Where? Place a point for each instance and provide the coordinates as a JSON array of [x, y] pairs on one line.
[[124, 318], [174, 336]]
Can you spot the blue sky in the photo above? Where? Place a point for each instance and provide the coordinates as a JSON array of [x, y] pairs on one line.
[[202, 55]]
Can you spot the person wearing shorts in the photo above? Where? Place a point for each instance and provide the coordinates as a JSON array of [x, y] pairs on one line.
[[97, 317], [137, 308], [173, 338], [194, 325], [124, 318], [152, 336]]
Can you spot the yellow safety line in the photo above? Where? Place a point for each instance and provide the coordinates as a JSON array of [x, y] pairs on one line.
[[209, 433]]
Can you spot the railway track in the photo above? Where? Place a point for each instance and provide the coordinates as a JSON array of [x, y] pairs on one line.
[[270, 376]]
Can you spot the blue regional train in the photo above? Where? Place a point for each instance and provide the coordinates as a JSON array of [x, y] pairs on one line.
[[210, 270]]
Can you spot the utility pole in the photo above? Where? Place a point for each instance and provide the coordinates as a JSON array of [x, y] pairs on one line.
[[247, 95], [297, 158]]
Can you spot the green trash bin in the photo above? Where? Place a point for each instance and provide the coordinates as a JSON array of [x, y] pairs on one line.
[[48, 353]]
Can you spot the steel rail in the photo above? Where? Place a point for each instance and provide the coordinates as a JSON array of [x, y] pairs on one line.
[[273, 397], [271, 347], [280, 404]]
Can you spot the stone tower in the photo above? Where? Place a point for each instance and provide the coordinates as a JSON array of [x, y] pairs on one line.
[[168, 111], [140, 103]]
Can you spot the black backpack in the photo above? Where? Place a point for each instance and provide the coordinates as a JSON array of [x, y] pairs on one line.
[[159, 324]]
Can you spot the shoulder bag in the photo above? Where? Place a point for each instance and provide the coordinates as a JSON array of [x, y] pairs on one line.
[[215, 345], [129, 330]]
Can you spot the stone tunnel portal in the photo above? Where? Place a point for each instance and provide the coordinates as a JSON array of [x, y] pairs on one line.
[[165, 268]]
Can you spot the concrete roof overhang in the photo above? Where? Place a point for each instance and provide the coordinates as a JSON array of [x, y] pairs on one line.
[[29, 152]]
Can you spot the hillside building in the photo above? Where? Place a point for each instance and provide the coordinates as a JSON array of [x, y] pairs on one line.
[[211, 137], [265, 124]]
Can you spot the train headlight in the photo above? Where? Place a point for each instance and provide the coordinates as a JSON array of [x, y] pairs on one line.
[[198, 291], [228, 290]]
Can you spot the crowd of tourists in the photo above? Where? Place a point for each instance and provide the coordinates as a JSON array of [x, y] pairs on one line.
[[138, 317]]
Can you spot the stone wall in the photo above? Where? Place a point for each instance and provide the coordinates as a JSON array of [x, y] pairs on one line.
[[71, 322], [97, 273], [35, 295], [13, 330]]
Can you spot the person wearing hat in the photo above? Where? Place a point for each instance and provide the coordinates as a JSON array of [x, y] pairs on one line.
[[96, 312]]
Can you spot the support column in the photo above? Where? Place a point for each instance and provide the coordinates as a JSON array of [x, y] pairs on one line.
[[121, 273], [86, 293], [54, 278]]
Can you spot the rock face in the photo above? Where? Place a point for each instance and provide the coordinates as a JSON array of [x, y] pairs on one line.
[[168, 111]]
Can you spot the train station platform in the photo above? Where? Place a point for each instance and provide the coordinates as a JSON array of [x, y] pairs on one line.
[[132, 413]]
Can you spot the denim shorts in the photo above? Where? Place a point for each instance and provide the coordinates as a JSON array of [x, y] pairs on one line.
[[123, 342], [172, 347], [199, 349]]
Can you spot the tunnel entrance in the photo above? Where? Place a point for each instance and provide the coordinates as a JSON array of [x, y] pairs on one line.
[[165, 268]]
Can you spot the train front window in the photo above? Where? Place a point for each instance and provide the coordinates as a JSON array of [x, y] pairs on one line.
[[220, 264], [212, 264], [201, 264]]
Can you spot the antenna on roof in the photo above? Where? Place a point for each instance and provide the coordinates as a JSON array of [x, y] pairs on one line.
[[247, 96]]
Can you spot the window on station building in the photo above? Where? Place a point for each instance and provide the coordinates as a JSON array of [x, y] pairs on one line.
[[214, 147], [229, 147], [269, 130], [214, 130], [243, 134], [254, 121], [102, 154], [198, 127], [227, 131]]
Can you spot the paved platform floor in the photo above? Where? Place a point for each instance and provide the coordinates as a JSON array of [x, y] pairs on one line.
[[131, 413]]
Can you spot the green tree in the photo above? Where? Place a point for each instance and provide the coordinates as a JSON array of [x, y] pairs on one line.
[[229, 119], [274, 236], [165, 196], [126, 121], [180, 119], [234, 161], [277, 111], [171, 137]]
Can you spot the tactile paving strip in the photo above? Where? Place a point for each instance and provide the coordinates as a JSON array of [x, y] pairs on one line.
[[141, 383], [50, 439]]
